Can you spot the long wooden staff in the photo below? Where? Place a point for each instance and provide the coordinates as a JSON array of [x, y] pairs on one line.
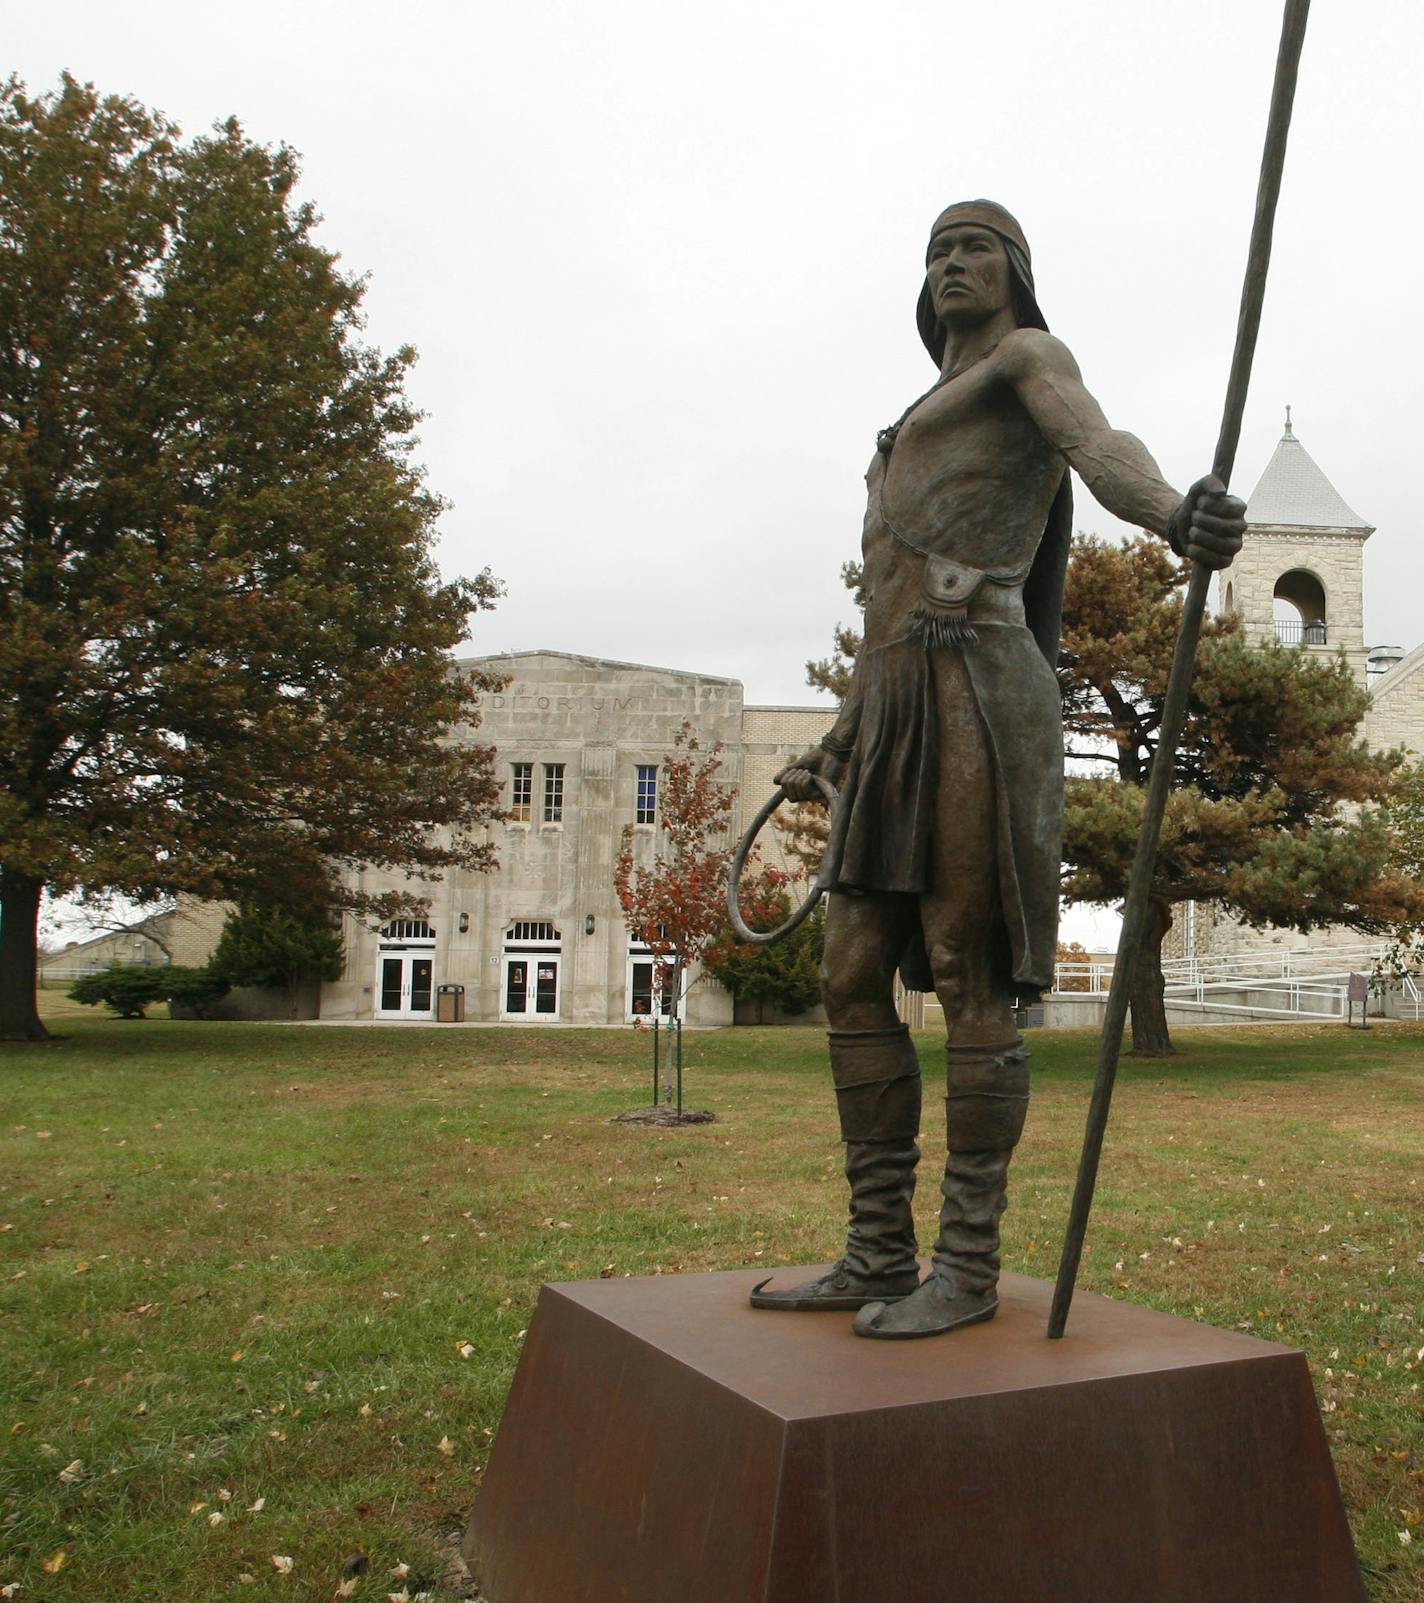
[[1134, 919]]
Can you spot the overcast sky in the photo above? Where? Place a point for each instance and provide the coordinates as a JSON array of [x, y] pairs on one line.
[[661, 260]]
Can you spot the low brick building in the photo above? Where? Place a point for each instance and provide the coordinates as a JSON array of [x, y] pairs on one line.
[[185, 935]]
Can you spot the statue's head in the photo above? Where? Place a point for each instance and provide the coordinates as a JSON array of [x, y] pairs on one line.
[[977, 257]]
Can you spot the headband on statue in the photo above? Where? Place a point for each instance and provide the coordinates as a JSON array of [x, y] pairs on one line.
[[982, 214]]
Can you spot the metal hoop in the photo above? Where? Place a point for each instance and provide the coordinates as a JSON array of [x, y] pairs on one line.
[[830, 795]]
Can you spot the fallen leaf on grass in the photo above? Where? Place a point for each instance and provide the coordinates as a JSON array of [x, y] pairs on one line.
[[400, 1571], [346, 1588], [281, 1563], [71, 1472], [196, 1508], [215, 1518], [465, 1349], [398, 1597], [81, 1268], [258, 1506], [446, 1446], [55, 1562], [10, 1590]]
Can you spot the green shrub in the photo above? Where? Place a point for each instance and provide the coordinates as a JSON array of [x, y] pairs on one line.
[[127, 990], [190, 990], [123, 990]]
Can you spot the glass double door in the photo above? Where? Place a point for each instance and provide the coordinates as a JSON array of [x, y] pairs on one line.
[[649, 988], [406, 985], [531, 987]]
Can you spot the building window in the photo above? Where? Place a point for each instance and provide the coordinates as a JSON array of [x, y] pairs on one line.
[[647, 812], [553, 793], [521, 801]]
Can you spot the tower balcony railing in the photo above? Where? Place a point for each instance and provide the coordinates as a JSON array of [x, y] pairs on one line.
[[1299, 632]]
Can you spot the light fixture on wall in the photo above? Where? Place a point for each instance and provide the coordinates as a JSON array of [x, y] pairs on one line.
[[464, 922], [588, 924]]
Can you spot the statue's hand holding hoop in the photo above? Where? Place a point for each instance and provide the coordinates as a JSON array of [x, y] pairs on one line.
[[806, 779], [810, 778]]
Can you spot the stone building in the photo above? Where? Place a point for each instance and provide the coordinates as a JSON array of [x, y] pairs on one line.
[[1299, 579], [542, 939]]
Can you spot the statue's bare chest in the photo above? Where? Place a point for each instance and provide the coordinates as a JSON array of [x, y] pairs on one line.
[[974, 428]]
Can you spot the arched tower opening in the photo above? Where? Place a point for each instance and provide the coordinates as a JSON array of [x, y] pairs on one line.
[[1299, 577], [1298, 609]]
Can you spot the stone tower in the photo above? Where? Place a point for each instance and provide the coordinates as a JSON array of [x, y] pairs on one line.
[[1299, 577]]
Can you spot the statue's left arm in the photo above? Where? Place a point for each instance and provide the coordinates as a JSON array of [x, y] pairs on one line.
[[1206, 524]]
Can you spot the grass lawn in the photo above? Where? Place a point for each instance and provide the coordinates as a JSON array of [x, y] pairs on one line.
[[264, 1286]]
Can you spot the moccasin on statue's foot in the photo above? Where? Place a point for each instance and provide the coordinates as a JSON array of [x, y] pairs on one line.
[[936, 1307], [839, 1290]]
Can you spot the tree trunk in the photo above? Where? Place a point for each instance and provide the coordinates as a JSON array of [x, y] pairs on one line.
[[19, 928], [1149, 1009]]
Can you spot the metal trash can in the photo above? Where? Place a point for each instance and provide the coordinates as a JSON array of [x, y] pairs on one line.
[[450, 1004]]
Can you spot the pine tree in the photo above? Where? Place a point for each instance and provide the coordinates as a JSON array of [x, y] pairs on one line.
[[1274, 807], [277, 947], [785, 974]]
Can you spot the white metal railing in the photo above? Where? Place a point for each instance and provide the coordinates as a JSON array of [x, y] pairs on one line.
[[1273, 963], [1269, 980], [1084, 978]]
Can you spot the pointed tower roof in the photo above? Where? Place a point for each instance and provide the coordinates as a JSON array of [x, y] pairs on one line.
[[1294, 493]]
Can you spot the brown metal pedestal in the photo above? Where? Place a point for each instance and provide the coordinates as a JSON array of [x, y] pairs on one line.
[[665, 1443]]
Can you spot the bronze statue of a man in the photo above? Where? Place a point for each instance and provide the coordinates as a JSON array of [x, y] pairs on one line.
[[948, 752]]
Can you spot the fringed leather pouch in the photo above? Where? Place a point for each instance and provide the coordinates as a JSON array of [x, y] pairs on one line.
[[948, 588]]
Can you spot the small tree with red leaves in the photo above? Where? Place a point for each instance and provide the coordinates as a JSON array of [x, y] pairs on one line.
[[677, 904]]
